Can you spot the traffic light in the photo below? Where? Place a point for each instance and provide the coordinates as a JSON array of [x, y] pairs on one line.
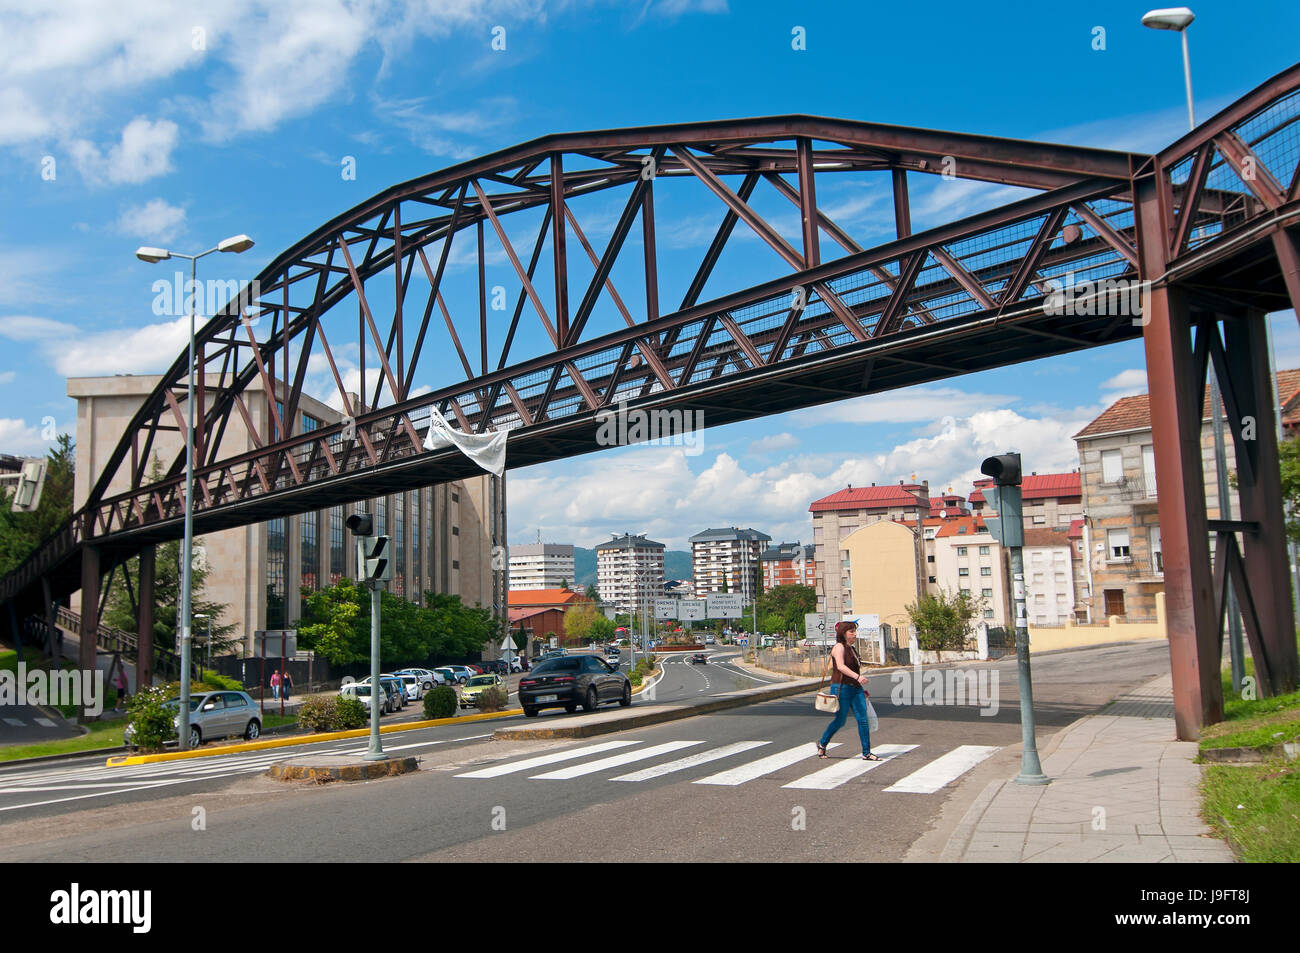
[[373, 559], [360, 524], [1004, 469]]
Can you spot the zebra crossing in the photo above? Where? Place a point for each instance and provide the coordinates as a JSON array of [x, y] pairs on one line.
[[929, 777]]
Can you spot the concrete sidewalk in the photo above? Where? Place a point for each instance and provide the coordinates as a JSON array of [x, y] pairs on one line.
[[1123, 791]]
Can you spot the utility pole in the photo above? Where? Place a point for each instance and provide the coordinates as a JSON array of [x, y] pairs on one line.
[[1010, 533]]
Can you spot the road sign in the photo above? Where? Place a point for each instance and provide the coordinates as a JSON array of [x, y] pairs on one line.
[[814, 623], [666, 608], [725, 605], [507, 644], [692, 610], [373, 562], [274, 643]]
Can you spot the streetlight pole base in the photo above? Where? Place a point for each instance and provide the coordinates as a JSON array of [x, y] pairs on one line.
[[374, 756], [1023, 778]]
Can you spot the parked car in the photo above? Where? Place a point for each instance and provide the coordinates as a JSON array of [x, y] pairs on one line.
[[614, 658], [571, 681], [469, 694], [554, 653], [709, 640], [395, 689], [362, 694], [215, 715], [412, 686], [699, 658], [427, 678], [457, 673]]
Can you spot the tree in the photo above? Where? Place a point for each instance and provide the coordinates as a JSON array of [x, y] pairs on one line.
[[782, 608], [564, 583], [1289, 458], [579, 621], [592, 592], [22, 533], [943, 621]]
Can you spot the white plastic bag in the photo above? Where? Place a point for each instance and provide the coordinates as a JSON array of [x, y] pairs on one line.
[[872, 721]]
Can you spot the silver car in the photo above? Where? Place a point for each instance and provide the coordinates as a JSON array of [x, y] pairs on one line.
[[216, 715]]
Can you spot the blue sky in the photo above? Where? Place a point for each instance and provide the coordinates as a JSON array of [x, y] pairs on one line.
[[152, 141]]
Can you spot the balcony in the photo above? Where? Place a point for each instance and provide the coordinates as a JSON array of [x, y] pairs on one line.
[[1138, 489]]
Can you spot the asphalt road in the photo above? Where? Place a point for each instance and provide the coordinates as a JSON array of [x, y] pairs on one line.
[[737, 785]]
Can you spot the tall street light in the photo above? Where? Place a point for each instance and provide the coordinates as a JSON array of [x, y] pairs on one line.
[[1179, 19], [235, 245]]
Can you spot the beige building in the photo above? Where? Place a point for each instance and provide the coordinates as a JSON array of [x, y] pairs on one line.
[[882, 576], [842, 513], [445, 537], [1049, 576], [629, 571], [727, 560]]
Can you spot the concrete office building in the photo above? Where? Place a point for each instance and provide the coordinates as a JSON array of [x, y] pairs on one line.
[[727, 560], [447, 538], [629, 570], [540, 566]]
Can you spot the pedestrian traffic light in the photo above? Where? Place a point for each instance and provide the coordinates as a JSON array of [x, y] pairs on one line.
[[1004, 469], [27, 494], [373, 560], [360, 524]]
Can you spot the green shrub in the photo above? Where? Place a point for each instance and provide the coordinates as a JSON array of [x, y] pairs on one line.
[[217, 681], [319, 712], [349, 713], [151, 719], [635, 678], [441, 702], [490, 699]]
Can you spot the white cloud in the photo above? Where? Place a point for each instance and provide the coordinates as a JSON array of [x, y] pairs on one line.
[[774, 443], [19, 439], [143, 153], [1124, 384], [22, 327], [153, 220], [148, 349], [7, 377], [913, 405]]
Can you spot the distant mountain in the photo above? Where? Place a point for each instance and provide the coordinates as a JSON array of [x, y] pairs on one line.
[[677, 565]]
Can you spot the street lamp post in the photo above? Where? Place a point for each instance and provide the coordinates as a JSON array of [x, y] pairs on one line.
[[235, 245], [1179, 19]]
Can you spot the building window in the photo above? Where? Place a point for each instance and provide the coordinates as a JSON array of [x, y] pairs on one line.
[[310, 552], [988, 613], [963, 571], [1114, 601], [455, 564], [277, 557], [986, 571], [1112, 466], [455, 531], [966, 593], [929, 559], [961, 550], [986, 593], [933, 579], [337, 556], [1149, 470], [984, 550], [1157, 554], [1117, 543], [1039, 519]]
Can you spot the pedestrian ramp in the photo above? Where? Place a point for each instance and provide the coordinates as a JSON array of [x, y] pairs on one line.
[[741, 762]]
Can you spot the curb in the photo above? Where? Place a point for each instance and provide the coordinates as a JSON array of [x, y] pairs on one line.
[[1288, 750], [365, 771], [608, 725], [302, 739]]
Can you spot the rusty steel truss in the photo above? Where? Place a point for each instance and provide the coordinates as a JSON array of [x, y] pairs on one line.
[[1208, 222]]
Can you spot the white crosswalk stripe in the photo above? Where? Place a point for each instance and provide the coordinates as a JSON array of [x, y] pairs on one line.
[[690, 761], [498, 770], [756, 769], [16, 722], [614, 761], [942, 771], [846, 770]]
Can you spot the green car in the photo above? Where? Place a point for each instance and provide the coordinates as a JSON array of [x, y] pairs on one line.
[[469, 694]]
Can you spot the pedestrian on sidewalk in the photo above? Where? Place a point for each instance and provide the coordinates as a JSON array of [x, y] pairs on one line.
[[850, 686], [120, 683], [275, 684], [286, 684]]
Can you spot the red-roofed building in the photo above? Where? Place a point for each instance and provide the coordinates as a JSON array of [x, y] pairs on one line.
[[966, 558], [1123, 567], [845, 511], [539, 611], [1051, 500]]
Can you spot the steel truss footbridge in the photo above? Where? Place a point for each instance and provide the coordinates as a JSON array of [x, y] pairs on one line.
[[1209, 224]]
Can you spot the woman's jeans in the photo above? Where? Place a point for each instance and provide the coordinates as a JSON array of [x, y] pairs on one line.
[[851, 696]]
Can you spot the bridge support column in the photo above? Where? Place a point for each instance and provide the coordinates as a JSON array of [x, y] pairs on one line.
[[1265, 580], [90, 580], [1176, 394], [144, 625]]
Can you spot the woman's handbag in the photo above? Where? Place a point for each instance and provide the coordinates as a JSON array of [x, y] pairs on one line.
[[826, 701]]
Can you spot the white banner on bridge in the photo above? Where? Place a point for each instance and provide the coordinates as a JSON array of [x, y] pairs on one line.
[[666, 608], [692, 610], [725, 605]]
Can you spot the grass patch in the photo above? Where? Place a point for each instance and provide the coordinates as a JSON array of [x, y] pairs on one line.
[[1256, 808], [102, 734]]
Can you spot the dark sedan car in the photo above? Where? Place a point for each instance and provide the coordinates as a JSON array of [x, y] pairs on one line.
[[699, 658], [571, 681]]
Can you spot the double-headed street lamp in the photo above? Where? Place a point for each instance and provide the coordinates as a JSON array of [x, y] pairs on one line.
[[235, 245]]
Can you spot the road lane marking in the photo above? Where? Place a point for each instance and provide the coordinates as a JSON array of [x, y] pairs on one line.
[[828, 778], [510, 767], [580, 770], [756, 769], [704, 757], [15, 722], [942, 771]]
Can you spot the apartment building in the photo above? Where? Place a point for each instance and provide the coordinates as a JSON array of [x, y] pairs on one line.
[[540, 566], [845, 511], [726, 560], [968, 559], [443, 535], [882, 577], [1049, 576], [1050, 500], [629, 570], [789, 564]]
